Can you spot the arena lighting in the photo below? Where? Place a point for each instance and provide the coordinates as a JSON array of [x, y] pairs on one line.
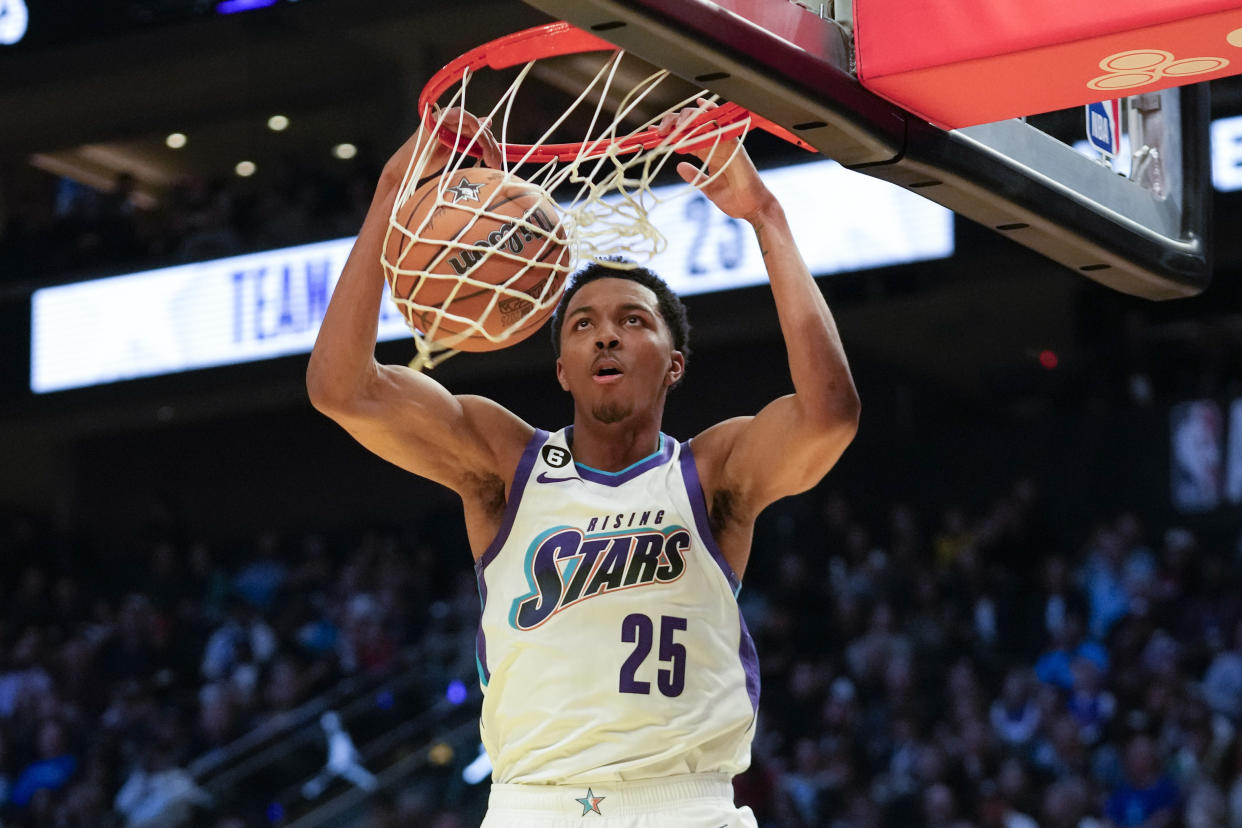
[[1227, 154], [175, 140], [269, 304], [234, 6], [14, 20], [245, 168], [456, 692], [278, 123]]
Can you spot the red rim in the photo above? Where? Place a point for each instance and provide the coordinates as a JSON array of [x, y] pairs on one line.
[[554, 40]]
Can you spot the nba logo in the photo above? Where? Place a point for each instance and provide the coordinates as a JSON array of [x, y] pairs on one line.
[[1104, 126]]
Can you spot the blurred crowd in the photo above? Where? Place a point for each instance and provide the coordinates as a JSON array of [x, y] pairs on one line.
[[53, 228], [942, 666], [119, 668], [993, 669]]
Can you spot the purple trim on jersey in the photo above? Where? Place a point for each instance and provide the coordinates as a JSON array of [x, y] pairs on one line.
[[698, 502], [515, 498], [750, 661], [690, 474], [657, 458], [506, 525]]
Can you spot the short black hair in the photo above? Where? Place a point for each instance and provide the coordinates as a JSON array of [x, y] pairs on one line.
[[670, 305]]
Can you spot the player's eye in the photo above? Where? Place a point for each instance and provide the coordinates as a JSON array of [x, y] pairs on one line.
[[581, 323]]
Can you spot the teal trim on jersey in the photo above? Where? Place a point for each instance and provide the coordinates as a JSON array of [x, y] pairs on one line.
[[659, 450], [528, 570], [478, 665]]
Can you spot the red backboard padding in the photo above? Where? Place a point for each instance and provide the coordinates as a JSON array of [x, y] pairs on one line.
[[963, 62]]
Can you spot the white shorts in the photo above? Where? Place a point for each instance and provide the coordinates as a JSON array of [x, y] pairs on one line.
[[702, 800]]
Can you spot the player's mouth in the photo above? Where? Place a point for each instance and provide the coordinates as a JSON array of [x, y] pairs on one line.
[[607, 371]]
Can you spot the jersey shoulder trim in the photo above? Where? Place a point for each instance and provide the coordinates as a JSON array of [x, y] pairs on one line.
[[698, 503], [515, 498]]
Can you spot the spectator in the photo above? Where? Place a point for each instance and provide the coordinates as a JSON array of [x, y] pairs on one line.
[[51, 771], [1107, 599], [939, 807], [1055, 666], [1014, 715], [158, 794], [1222, 684], [996, 812], [261, 579], [1091, 705], [1147, 797], [1066, 804]]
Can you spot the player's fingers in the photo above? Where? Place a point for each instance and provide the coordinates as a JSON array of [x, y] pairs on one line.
[[689, 173], [492, 156], [667, 123]]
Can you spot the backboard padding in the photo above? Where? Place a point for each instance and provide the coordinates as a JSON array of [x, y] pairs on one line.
[[1115, 232]]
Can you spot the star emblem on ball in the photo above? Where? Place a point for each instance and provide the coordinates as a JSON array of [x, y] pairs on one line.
[[590, 803], [464, 190]]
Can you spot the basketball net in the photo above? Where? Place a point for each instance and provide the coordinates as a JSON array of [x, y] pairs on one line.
[[603, 185]]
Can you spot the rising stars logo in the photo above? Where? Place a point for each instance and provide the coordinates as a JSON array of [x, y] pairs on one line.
[[590, 803], [464, 190]]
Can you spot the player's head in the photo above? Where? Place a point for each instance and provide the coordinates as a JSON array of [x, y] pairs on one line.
[[671, 308], [619, 336]]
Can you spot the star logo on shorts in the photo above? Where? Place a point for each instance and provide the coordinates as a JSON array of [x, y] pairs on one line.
[[590, 802], [464, 190]]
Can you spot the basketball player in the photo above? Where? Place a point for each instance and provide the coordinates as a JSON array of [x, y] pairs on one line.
[[621, 685]]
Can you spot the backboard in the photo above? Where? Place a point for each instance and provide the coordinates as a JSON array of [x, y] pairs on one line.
[[796, 64]]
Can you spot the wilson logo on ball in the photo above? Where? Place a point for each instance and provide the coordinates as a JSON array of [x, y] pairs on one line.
[[510, 234]]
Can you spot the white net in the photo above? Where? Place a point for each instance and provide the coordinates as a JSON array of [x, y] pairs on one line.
[[603, 192]]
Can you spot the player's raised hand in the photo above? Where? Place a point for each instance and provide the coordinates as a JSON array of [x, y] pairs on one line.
[[468, 126], [738, 190], [458, 120]]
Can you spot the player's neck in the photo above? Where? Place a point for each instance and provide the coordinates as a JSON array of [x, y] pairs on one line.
[[612, 447]]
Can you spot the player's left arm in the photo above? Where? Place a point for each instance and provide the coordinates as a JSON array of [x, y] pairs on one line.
[[793, 441]]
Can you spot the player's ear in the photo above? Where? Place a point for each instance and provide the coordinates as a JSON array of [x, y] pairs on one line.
[[676, 369], [560, 375]]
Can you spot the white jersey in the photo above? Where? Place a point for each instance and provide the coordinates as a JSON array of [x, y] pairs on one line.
[[611, 647]]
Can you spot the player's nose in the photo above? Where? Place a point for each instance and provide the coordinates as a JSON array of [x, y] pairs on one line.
[[606, 336]]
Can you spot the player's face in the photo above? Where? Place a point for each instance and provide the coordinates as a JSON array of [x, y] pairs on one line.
[[617, 354]]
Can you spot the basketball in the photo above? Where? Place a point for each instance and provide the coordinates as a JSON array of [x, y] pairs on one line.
[[482, 256]]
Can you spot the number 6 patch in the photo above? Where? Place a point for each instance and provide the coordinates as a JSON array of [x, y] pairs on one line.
[[555, 456]]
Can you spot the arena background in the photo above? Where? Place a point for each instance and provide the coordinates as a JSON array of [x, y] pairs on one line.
[[193, 567]]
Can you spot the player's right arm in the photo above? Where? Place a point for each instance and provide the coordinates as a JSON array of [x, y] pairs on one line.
[[400, 414]]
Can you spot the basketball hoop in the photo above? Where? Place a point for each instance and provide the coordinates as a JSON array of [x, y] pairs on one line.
[[558, 40], [603, 181]]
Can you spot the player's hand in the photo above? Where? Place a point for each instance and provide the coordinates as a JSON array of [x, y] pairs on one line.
[[738, 190], [468, 126], [457, 120]]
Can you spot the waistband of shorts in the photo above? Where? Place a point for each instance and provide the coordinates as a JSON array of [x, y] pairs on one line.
[[619, 798]]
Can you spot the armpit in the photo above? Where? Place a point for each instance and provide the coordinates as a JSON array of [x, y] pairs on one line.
[[722, 512], [488, 490]]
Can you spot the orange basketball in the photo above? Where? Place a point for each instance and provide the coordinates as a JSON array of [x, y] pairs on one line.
[[483, 246]]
